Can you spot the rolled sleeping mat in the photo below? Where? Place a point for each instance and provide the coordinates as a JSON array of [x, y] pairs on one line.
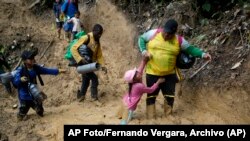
[[37, 94], [88, 68]]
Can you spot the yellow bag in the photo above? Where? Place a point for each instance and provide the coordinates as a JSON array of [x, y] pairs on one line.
[[61, 17]]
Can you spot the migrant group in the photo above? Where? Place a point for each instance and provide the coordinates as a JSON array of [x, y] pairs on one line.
[[160, 52]]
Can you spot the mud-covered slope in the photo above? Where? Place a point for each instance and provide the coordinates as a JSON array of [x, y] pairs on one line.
[[201, 100]]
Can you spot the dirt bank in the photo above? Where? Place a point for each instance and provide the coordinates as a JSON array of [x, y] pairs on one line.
[[199, 103]]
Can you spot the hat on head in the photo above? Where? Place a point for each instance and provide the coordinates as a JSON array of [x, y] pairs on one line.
[[171, 26], [27, 55], [129, 75]]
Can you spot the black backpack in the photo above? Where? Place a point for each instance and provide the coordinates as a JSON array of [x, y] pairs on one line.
[[84, 52], [184, 60]]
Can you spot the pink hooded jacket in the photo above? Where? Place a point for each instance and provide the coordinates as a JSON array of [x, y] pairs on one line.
[[138, 89]]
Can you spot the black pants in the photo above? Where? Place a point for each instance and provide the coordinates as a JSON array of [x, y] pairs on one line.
[[167, 88], [86, 78], [25, 106]]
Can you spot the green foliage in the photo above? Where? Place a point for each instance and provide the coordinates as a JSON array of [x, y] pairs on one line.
[[206, 6], [204, 22], [212, 8]]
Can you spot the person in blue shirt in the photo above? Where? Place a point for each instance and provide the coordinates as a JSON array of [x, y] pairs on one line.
[[69, 8], [59, 16], [25, 75]]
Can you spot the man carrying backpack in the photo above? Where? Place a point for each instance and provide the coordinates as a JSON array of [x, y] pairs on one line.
[[162, 47], [24, 77], [85, 51]]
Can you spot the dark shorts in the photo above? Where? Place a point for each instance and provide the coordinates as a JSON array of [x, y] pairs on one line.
[[59, 24]]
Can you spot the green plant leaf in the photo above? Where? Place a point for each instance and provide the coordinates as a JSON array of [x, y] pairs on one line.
[[206, 7]]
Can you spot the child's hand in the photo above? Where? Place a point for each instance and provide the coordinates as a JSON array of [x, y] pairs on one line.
[[147, 56], [160, 80]]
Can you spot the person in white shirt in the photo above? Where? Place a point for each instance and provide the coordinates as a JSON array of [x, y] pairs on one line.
[[77, 24]]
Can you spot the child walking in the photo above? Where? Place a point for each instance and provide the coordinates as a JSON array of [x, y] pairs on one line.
[[77, 25], [136, 90]]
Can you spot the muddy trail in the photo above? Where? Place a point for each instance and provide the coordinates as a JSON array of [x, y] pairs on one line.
[[196, 103]]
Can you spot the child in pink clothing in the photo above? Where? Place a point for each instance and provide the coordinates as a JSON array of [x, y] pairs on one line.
[[135, 92]]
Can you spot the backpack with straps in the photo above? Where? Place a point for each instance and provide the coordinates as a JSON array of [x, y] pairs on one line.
[[68, 54], [183, 60], [83, 50]]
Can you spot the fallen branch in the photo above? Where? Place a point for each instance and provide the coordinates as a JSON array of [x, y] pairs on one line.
[[46, 49], [196, 72], [33, 4], [241, 37], [20, 60], [18, 64]]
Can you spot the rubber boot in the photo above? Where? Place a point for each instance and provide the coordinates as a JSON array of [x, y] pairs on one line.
[[130, 115], [150, 109], [123, 122], [167, 109]]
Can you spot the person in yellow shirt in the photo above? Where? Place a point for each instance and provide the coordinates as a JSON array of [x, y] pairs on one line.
[[162, 46], [92, 40]]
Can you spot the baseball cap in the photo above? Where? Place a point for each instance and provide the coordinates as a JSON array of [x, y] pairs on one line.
[[27, 55], [171, 26]]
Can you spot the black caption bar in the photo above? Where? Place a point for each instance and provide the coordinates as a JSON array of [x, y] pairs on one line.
[[79, 132]]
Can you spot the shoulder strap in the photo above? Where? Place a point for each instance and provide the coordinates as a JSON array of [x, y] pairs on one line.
[[179, 40], [24, 72], [38, 75], [87, 41]]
